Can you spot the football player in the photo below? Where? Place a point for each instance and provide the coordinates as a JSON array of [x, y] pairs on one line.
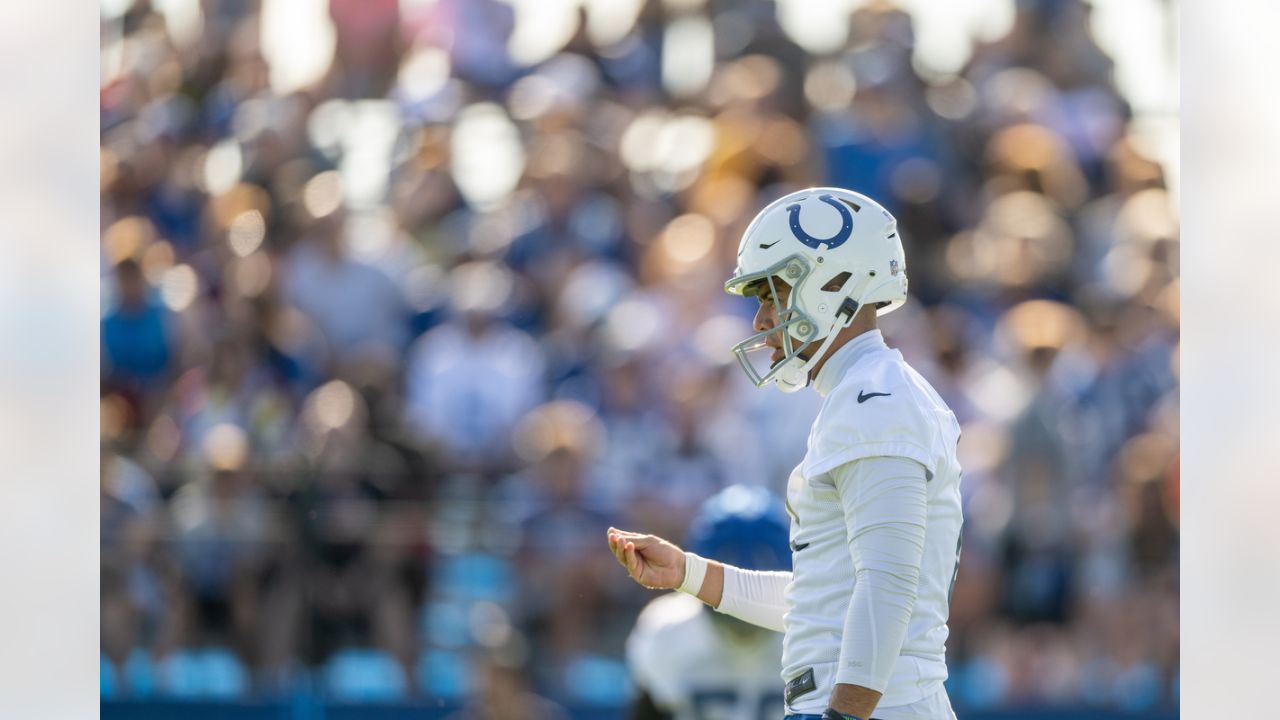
[[690, 663], [874, 504]]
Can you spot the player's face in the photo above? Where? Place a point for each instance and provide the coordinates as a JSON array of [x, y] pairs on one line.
[[771, 299], [767, 318]]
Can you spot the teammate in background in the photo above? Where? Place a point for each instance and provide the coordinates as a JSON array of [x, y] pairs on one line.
[[875, 503], [690, 663]]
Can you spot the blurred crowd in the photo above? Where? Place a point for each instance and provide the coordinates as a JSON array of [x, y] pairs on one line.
[[383, 356]]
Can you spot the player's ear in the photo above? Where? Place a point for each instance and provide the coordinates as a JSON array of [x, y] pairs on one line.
[[837, 282]]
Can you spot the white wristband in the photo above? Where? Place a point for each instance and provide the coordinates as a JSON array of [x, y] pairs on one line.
[[695, 571]]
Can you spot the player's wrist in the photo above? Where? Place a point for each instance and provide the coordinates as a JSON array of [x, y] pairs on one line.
[[831, 714], [695, 572]]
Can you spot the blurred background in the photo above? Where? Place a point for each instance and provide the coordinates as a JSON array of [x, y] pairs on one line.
[[405, 301]]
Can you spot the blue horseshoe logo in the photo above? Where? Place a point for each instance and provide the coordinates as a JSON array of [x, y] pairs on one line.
[[833, 242]]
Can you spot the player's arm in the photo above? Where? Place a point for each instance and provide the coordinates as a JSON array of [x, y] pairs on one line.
[[753, 596], [885, 505]]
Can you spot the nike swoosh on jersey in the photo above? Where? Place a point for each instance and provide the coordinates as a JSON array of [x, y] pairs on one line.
[[766, 247], [798, 548], [865, 396]]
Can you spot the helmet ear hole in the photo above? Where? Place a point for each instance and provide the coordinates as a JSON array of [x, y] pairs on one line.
[[837, 282]]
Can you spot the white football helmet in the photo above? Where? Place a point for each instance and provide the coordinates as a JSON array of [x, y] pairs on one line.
[[808, 239]]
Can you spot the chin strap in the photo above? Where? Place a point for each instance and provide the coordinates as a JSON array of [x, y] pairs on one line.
[[791, 379], [803, 370], [799, 375]]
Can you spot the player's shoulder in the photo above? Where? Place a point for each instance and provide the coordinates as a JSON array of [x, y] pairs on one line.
[[880, 407], [667, 623], [877, 390], [669, 610], [668, 635]]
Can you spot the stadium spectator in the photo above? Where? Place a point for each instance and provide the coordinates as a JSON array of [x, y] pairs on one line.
[[136, 336]]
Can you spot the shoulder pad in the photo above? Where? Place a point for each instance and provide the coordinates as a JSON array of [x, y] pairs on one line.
[[875, 414]]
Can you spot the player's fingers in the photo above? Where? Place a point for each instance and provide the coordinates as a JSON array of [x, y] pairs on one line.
[[633, 561], [616, 541], [615, 546], [643, 541]]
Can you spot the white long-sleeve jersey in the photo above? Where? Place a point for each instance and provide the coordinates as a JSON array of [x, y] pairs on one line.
[[875, 537]]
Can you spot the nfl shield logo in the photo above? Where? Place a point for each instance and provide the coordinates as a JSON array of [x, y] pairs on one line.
[[893, 267]]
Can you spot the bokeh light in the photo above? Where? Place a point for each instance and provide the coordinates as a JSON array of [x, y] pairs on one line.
[[246, 233], [179, 287], [331, 406], [222, 166], [252, 274], [156, 261], [127, 238], [226, 448], [323, 194], [487, 157], [560, 425]]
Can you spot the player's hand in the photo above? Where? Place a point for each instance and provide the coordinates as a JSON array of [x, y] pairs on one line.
[[649, 560]]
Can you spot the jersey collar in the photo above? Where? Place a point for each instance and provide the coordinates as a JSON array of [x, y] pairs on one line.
[[844, 358]]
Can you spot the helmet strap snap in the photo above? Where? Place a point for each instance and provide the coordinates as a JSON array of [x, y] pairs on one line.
[[848, 308]]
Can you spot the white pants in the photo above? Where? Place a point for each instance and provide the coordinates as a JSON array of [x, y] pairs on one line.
[[934, 707]]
